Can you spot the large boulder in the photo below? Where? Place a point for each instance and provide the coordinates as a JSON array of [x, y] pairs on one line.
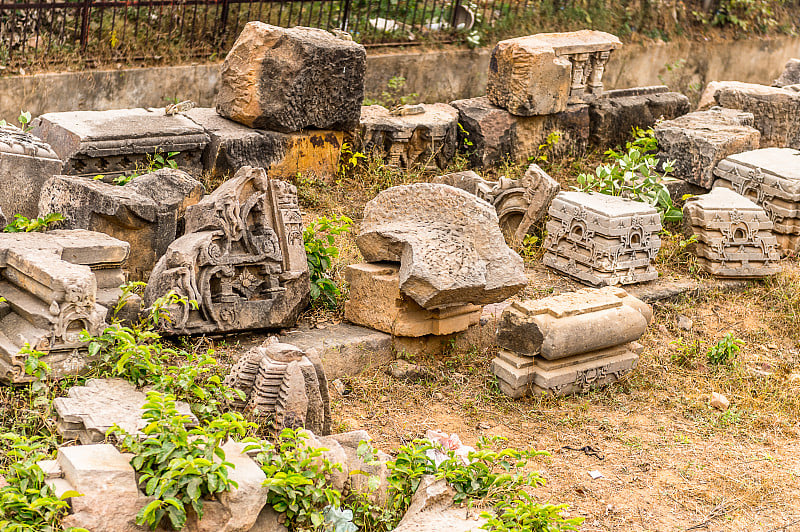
[[291, 79], [790, 74], [448, 243]]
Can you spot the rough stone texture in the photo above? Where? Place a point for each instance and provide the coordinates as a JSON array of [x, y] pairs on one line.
[[292, 79], [613, 116], [519, 203], [55, 284], [790, 74], [448, 242], [242, 259], [426, 138], [283, 155], [89, 411], [540, 74], [433, 510], [488, 131], [734, 235], [569, 343], [25, 164], [147, 212], [283, 381], [602, 240], [533, 131], [3, 221], [771, 178], [376, 302], [117, 142], [699, 140]]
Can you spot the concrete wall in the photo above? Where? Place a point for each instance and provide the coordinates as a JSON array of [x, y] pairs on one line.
[[438, 75]]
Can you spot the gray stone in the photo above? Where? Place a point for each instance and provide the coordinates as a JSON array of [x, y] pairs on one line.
[[698, 141], [54, 291], [432, 509], [613, 116], [88, 412], [25, 164], [3, 221], [292, 79], [425, 139], [243, 504], [602, 240], [790, 74], [407, 371], [770, 178], [147, 212], [241, 258], [487, 131], [117, 142], [448, 243]]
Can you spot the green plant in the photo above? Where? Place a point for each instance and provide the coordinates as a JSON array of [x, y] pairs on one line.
[[179, 466], [24, 119], [685, 354], [348, 160], [155, 161], [21, 224], [546, 148], [524, 514], [725, 350], [320, 243], [393, 95], [129, 289], [36, 368], [676, 251], [529, 247], [27, 502], [633, 173]]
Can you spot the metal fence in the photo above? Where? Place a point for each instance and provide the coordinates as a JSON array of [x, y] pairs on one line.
[[62, 31]]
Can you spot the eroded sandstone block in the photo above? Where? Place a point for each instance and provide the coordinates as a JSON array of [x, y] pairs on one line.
[[698, 141], [734, 235], [487, 133], [292, 79], [117, 142], [241, 258], [790, 74], [770, 177], [56, 285], [602, 240], [540, 74], [26, 163], [448, 243]]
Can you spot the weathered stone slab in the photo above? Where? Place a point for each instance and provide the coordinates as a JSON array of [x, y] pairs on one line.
[[284, 155], [426, 137], [241, 258], [790, 74], [147, 212], [698, 141], [448, 242], [487, 131], [734, 235], [602, 240], [432, 510], [540, 74], [117, 142], [292, 79], [25, 164], [613, 116]]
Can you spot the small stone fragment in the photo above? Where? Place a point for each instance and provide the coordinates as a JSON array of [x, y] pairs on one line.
[[405, 370], [684, 323], [719, 401]]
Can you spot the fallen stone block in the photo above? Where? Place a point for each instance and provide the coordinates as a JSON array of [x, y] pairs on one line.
[[790, 74], [487, 131], [448, 243], [25, 164], [696, 142], [120, 142], [292, 79], [433, 509]]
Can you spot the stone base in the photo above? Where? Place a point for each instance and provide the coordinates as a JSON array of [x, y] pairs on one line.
[[376, 302], [594, 277]]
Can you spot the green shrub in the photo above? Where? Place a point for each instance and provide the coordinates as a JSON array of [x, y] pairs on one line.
[[524, 514], [319, 238], [20, 224], [724, 351]]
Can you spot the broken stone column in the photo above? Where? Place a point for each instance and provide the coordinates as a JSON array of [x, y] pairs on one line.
[[790, 74], [283, 381], [770, 177], [242, 258], [25, 164], [696, 142], [147, 212], [292, 79], [56, 284], [602, 240], [540, 74], [569, 343], [734, 235]]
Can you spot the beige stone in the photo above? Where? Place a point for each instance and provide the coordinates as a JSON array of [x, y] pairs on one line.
[[719, 401]]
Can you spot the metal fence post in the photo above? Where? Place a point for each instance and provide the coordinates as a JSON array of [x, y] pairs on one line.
[[85, 11], [456, 5], [346, 15], [223, 20]]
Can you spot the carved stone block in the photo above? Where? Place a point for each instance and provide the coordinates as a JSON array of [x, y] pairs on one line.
[[117, 142], [283, 155], [241, 258], [25, 164], [770, 177], [282, 381], [292, 79], [56, 285], [147, 212], [426, 138], [540, 74], [698, 141], [376, 302], [602, 240]]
